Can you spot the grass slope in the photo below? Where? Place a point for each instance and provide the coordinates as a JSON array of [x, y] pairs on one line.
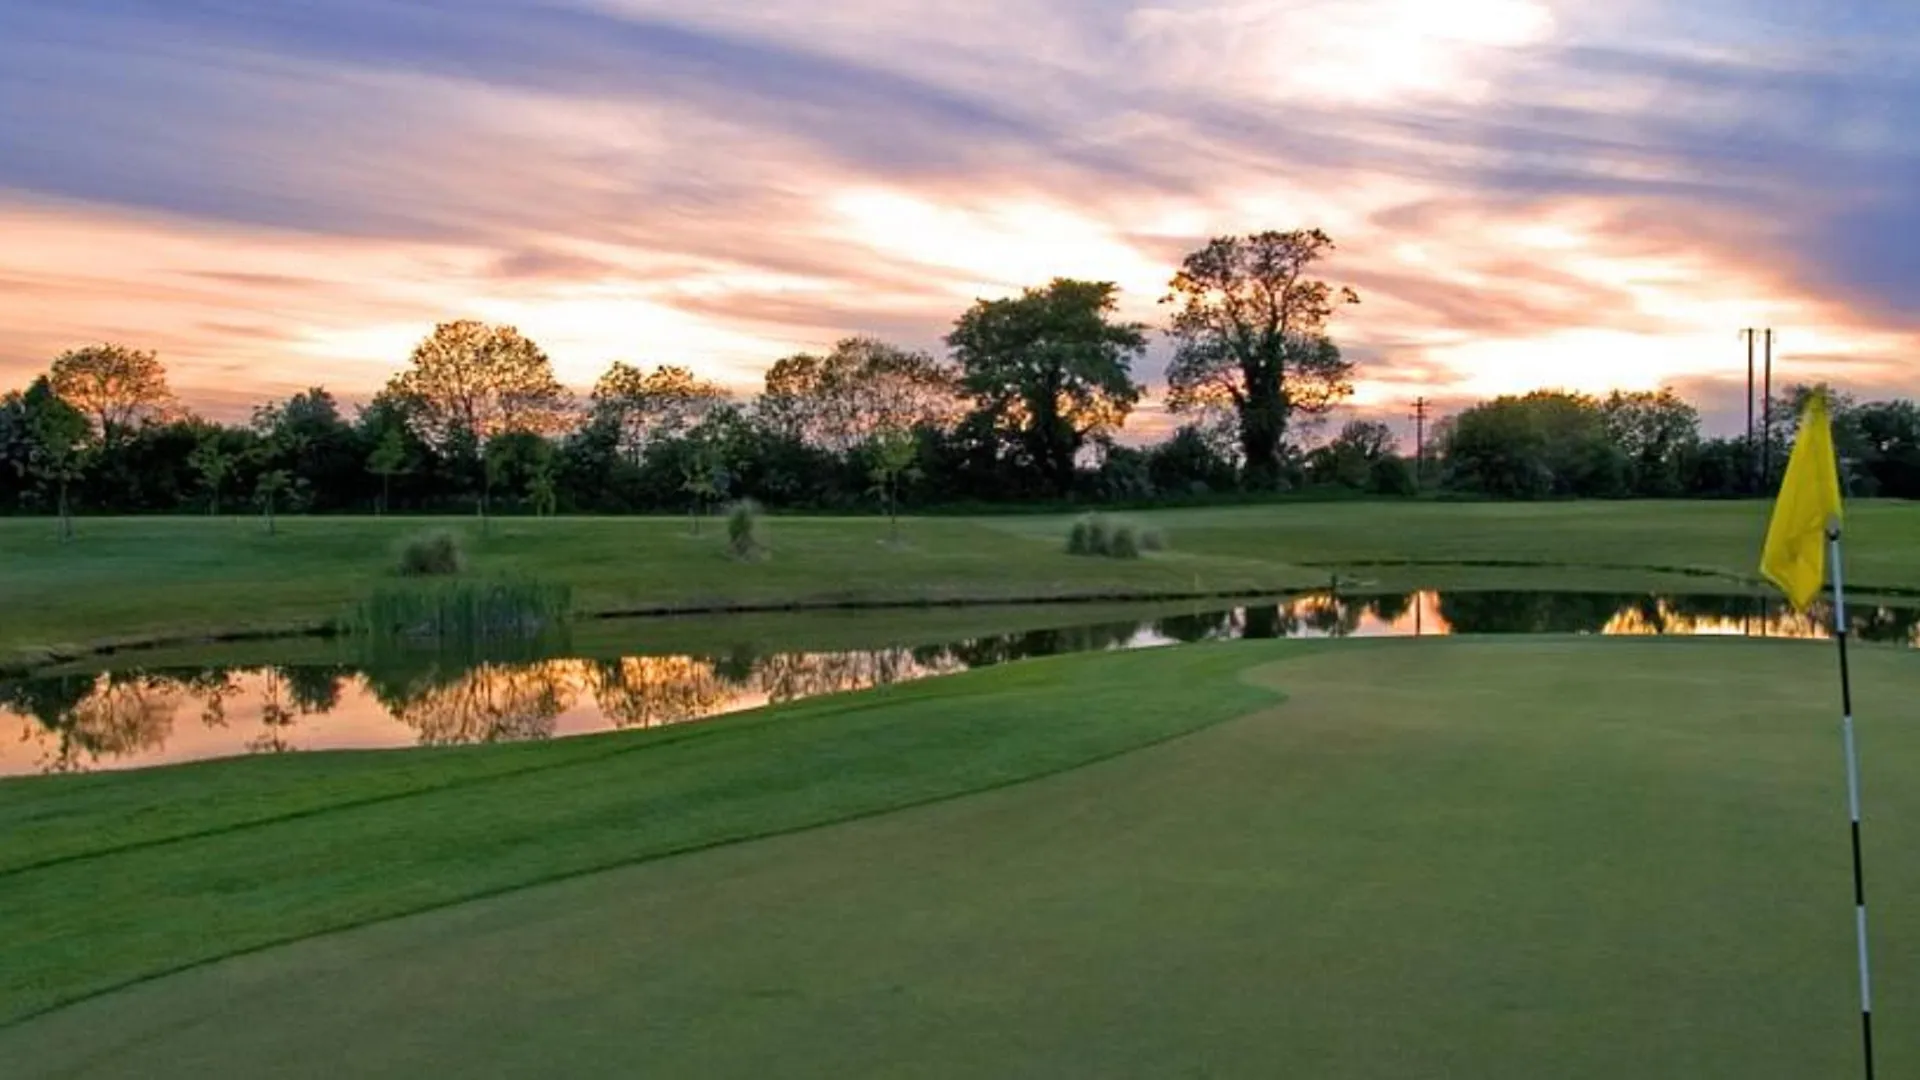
[[114, 877], [138, 579], [1512, 858]]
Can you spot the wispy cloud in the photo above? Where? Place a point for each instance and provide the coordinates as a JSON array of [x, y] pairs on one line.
[[1527, 192]]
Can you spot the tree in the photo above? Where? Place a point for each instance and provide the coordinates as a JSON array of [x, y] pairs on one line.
[[1850, 442], [1190, 463], [666, 403], [113, 385], [318, 446], [384, 432], [1543, 444], [388, 460], [702, 480], [1349, 458], [273, 483], [483, 380], [1250, 329], [1890, 437], [211, 462], [58, 450], [542, 494], [1050, 367], [519, 461], [1658, 433], [861, 390], [894, 454]]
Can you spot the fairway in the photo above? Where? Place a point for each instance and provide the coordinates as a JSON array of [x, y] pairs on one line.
[[1475, 858], [143, 580]]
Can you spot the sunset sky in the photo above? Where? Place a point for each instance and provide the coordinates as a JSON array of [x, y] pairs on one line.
[[1526, 192]]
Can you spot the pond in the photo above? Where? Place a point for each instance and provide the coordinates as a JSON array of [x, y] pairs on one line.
[[137, 716]]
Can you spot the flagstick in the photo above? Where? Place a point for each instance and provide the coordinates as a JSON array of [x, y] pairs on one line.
[[1853, 797]]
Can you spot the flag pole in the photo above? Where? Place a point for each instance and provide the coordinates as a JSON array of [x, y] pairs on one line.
[[1853, 796]]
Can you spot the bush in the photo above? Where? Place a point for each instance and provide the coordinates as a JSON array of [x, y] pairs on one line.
[[743, 529], [1391, 476], [434, 554], [1095, 535], [1090, 536], [1080, 538]]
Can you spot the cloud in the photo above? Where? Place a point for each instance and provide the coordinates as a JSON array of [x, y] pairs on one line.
[[1527, 192]]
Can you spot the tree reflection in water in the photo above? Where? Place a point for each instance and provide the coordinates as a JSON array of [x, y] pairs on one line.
[[492, 703], [70, 723], [653, 691]]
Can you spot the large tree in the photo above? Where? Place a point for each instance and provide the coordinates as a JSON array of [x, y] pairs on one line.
[[480, 380], [1051, 367], [1250, 331], [1546, 443], [114, 386], [1658, 433], [864, 389], [647, 406]]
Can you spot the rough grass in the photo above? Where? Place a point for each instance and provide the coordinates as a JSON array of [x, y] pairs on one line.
[[134, 579], [1513, 858]]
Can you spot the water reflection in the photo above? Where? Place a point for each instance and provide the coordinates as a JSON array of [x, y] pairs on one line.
[[134, 718]]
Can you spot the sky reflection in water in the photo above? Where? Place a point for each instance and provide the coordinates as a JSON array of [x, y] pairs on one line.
[[134, 717]]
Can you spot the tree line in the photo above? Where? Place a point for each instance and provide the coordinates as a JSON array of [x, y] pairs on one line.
[[1026, 405]]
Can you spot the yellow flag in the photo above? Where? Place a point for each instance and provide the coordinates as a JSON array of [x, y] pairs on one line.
[[1796, 554]]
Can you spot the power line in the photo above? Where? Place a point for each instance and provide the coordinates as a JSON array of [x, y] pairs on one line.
[[1752, 458], [1420, 406], [1766, 418]]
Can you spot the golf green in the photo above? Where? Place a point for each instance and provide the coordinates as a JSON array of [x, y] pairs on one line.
[[1472, 858]]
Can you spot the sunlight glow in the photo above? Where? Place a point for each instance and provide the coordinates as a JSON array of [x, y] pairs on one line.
[[1348, 51]]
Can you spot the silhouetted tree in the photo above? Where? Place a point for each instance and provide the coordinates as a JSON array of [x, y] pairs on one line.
[[114, 386], [482, 380], [1250, 331], [1050, 367]]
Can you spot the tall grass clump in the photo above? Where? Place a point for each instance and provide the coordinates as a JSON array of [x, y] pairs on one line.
[[464, 612], [1095, 535], [432, 554], [1090, 536], [745, 534]]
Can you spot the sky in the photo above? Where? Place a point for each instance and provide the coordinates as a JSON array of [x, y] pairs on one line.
[[1526, 193]]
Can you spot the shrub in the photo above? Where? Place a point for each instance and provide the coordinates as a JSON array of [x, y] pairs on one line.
[[1392, 476], [434, 554], [743, 529], [1079, 538], [1095, 535], [1091, 535]]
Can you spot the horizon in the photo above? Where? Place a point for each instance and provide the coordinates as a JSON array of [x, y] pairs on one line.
[[1526, 194]]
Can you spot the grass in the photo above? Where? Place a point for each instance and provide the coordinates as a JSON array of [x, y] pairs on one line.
[[1489, 858], [194, 862], [128, 580], [466, 611]]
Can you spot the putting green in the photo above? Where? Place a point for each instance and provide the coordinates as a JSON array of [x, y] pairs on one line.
[[1515, 858]]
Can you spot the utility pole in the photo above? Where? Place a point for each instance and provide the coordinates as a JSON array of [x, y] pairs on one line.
[[1752, 458], [1766, 420], [1420, 405]]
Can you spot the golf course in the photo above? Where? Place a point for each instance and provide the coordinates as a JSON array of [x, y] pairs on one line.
[[1521, 855], [127, 581]]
